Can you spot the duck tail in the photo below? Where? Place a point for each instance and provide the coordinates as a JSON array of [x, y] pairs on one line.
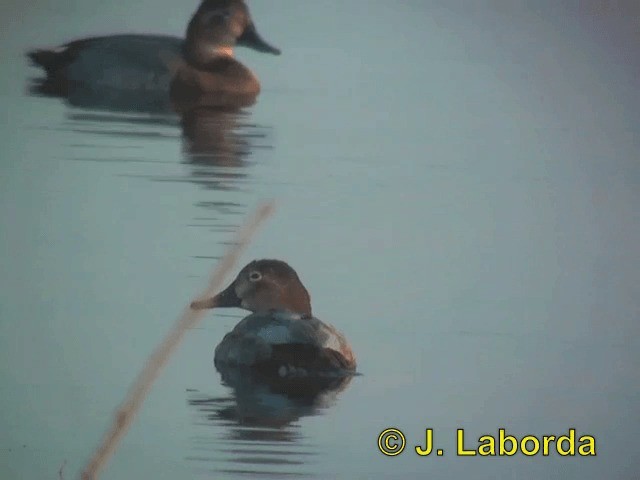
[[47, 59]]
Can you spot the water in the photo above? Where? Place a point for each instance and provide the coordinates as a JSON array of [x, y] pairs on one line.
[[457, 188]]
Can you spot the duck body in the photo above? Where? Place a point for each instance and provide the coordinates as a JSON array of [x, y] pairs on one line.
[[200, 64], [281, 337], [119, 62], [225, 77], [286, 344]]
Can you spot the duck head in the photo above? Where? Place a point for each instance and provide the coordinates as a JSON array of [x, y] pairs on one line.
[[263, 286], [219, 25]]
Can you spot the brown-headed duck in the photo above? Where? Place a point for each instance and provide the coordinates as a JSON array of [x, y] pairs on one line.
[[280, 337], [201, 64]]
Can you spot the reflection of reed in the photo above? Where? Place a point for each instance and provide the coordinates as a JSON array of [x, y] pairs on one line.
[[160, 356], [256, 426]]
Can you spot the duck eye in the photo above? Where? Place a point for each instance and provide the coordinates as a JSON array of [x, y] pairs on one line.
[[217, 16], [255, 276]]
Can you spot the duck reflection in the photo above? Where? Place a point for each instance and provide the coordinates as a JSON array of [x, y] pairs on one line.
[[125, 101], [216, 144], [258, 420], [218, 137], [135, 86]]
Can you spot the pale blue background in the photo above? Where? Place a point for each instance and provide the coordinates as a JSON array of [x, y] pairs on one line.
[[457, 186]]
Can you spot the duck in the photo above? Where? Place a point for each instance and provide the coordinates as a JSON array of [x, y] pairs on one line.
[[185, 69], [280, 337]]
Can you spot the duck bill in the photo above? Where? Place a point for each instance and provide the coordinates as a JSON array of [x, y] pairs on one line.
[[252, 39], [226, 298]]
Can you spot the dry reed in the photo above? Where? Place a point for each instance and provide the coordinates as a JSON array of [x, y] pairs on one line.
[[160, 356]]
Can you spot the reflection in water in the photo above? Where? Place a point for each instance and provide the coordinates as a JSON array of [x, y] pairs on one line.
[[123, 101], [255, 431], [106, 99], [155, 72], [127, 126], [217, 142], [218, 145]]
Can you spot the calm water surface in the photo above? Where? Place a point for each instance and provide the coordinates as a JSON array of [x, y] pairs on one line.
[[457, 186]]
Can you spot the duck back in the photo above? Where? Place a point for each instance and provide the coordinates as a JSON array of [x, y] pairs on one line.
[[124, 62], [284, 344]]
